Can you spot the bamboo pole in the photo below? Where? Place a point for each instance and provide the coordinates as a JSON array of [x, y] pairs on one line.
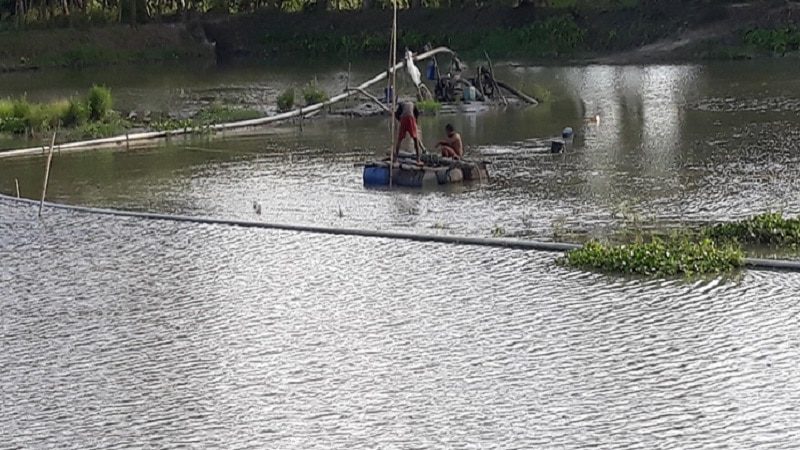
[[47, 173], [393, 65], [16, 183]]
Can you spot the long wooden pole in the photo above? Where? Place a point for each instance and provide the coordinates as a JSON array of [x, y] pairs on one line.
[[393, 65], [47, 173], [16, 183]]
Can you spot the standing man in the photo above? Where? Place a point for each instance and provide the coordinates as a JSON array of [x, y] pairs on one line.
[[451, 146], [407, 113]]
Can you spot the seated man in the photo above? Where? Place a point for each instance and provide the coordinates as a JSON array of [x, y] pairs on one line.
[[407, 114], [451, 145]]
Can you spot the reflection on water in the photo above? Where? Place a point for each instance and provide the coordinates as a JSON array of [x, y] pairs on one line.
[[659, 154]]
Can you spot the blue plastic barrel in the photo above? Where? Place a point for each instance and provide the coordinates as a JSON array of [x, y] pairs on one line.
[[376, 176], [567, 133], [431, 70]]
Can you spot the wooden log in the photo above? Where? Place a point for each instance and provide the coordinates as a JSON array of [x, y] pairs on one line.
[[371, 97], [523, 97]]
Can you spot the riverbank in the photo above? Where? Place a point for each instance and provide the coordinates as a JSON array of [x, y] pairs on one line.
[[643, 33], [88, 47]]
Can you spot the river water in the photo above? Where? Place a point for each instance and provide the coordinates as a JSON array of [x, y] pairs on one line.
[[127, 333]]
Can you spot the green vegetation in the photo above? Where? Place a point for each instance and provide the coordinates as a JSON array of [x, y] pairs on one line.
[[214, 114], [498, 231], [99, 102], [286, 100], [218, 113], [709, 249], [429, 106], [86, 13], [112, 125], [553, 36], [93, 117], [677, 256], [19, 116], [770, 229], [779, 41], [312, 94]]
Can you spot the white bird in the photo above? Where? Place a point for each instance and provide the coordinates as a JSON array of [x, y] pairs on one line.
[[412, 69]]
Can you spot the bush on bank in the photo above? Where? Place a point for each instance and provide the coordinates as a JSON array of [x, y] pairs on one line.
[[19, 116]]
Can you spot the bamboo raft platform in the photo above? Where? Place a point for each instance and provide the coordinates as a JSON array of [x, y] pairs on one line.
[[434, 171]]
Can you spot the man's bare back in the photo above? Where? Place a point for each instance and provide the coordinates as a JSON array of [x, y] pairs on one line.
[[451, 145]]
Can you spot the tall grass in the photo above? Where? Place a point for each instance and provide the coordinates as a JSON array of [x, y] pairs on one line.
[[20, 116], [100, 102]]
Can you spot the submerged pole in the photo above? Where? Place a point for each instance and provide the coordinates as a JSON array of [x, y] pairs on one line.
[[16, 183], [46, 172]]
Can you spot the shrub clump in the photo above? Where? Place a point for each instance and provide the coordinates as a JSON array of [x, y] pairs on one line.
[[658, 257], [286, 100], [312, 94], [99, 102], [764, 229], [429, 106], [778, 41]]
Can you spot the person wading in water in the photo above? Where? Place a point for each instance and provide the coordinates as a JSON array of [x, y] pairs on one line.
[[407, 113]]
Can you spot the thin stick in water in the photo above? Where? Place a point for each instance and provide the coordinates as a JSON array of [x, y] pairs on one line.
[[16, 183], [494, 81], [47, 173], [393, 64]]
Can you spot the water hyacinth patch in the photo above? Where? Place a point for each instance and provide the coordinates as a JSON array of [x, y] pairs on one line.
[[658, 257], [765, 229]]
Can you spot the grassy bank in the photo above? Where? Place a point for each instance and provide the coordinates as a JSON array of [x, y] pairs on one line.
[[87, 47], [711, 249], [572, 30], [88, 115], [551, 37], [92, 116]]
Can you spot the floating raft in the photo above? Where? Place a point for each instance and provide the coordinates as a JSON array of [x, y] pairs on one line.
[[434, 171]]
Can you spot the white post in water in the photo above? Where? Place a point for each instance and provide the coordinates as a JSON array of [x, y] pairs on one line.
[[16, 183], [47, 173]]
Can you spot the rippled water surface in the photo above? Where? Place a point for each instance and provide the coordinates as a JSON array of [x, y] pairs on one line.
[[674, 144], [125, 333]]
